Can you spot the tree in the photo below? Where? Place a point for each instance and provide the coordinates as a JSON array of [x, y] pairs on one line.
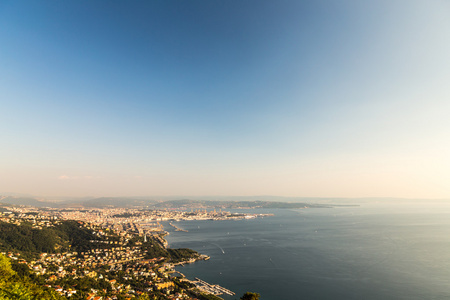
[[250, 296], [5, 268], [13, 287]]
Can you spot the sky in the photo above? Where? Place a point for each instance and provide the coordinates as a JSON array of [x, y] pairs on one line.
[[288, 98]]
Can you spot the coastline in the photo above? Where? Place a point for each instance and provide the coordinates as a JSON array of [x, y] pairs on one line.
[[201, 285]]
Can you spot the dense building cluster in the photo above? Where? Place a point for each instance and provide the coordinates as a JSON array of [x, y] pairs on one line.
[[124, 257]]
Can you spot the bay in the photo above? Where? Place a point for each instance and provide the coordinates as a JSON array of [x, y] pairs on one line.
[[372, 251]]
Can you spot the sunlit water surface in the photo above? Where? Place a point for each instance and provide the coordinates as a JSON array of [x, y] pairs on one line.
[[372, 251]]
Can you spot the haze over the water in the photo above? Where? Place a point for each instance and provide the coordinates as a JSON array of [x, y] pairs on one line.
[[289, 98]]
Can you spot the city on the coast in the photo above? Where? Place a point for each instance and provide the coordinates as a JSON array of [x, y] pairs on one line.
[[106, 254]]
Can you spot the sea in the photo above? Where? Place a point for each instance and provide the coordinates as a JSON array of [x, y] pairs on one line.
[[377, 250]]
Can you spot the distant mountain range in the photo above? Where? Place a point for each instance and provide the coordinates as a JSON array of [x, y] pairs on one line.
[[104, 202], [229, 202], [117, 202], [199, 204], [101, 202], [23, 201]]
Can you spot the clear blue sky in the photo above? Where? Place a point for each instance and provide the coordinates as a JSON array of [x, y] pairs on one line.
[[289, 98]]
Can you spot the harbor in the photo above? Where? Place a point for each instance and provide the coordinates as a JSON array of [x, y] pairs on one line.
[[214, 289]]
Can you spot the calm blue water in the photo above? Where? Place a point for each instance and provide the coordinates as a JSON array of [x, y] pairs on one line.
[[368, 252]]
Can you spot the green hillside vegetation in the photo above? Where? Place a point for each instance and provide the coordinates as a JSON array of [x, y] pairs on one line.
[[70, 235], [14, 286], [19, 282], [30, 241], [174, 255]]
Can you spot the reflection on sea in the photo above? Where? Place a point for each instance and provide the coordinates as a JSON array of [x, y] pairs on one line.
[[372, 251]]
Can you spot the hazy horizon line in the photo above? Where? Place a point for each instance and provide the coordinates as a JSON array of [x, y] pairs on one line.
[[195, 197]]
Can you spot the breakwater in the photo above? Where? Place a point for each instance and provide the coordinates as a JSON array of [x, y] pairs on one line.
[[211, 288], [177, 228]]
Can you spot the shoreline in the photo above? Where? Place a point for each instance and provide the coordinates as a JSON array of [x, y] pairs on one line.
[[201, 285]]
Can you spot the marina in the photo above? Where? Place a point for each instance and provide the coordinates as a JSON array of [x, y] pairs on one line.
[[211, 288]]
